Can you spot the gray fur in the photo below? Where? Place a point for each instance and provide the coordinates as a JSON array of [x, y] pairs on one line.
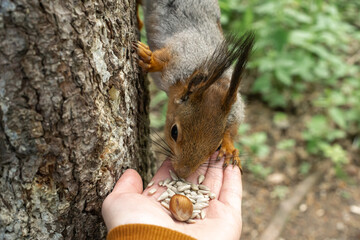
[[189, 29]]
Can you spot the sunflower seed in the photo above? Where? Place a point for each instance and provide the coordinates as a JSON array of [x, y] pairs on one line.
[[170, 192], [166, 181], [198, 206], [174, 189], [194, 215], [201, 179], [199, 197], [179, 183], [202, 214], [202, 200], [205, 205], [212, 195], [152, 191], [165, 205], [203, 187], [161, 183], [150, 184], [173, 175], [163, 196], [187, 182], [204, 191], [192, 200], [194, 187], [191, 221], [183, 188]]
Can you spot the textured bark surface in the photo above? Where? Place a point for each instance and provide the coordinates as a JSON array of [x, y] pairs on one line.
[[70, 102]]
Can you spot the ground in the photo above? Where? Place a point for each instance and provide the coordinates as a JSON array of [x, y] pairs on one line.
[[324, 213]]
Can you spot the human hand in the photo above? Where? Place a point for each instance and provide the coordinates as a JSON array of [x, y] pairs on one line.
[[129, 204]]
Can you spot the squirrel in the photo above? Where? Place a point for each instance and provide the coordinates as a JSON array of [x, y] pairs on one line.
[[191, 60]]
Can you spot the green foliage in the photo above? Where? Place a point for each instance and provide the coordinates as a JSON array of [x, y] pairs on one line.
[[280, 192], [253, 147], [158, 106], [317, 133], [298, 43], [256, 143], [343, 104], [281, 120], [304, 168], [259, 170], [319, 141], [286, 144]]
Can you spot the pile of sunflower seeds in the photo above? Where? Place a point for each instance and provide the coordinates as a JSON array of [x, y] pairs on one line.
[[198, 194]]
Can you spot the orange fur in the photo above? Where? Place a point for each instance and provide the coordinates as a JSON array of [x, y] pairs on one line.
[[228, 150], [140, 23], [152, 61]]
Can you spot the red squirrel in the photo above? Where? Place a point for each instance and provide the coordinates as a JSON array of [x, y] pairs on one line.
[[191, 60]]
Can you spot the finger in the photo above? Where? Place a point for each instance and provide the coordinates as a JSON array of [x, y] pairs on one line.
[[231, 190], [129, 182], [161, 175], [214, 175]]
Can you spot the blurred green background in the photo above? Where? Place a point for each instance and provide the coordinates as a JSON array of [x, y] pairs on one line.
[[305, 67]]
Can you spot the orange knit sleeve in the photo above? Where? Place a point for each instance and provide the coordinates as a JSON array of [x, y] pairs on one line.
[[145, 231]]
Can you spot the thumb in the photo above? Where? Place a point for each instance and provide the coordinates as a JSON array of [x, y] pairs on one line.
[[129, 182]]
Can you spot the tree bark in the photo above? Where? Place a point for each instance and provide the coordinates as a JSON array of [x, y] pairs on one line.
[[73, 114]]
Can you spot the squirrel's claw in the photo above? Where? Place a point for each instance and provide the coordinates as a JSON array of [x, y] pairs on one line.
[[150, 61], [221, 154], [144, 54], [231, 155]]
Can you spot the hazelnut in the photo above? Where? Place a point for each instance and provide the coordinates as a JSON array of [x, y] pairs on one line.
[[181, 207]]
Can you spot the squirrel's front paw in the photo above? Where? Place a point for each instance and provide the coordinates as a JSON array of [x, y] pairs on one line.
[[144, 54], [231, 155], [150, 61]]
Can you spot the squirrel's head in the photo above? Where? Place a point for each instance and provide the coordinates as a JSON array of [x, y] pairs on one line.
[[198, 107]]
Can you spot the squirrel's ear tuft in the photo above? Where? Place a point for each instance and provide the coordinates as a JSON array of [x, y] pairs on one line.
[[210, 71], [241, 50]]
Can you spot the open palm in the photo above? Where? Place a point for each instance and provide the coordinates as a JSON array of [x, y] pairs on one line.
[[129, 204]]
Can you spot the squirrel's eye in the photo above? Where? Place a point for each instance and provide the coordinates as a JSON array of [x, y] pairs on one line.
[[174, 132]]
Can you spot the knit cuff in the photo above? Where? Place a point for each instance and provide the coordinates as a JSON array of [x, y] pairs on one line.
[[145, 231]]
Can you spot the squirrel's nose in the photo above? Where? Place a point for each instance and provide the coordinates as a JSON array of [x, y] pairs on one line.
[[183, 172]]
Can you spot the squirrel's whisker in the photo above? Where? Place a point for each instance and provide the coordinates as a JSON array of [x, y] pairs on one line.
[[163, 143], [162, 147], [162, 140], [165, 154]]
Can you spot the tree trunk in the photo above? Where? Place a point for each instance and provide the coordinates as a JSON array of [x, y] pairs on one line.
[[71, 100]]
